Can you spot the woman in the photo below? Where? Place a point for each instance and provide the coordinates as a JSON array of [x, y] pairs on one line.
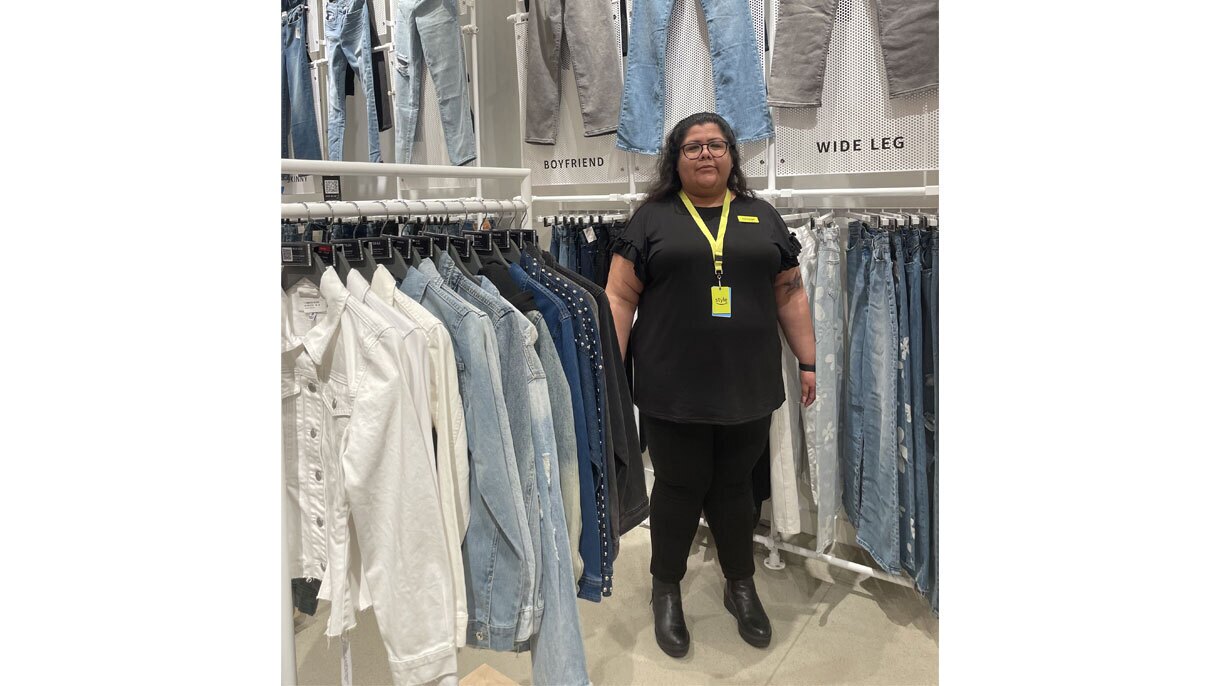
[[711, 269]]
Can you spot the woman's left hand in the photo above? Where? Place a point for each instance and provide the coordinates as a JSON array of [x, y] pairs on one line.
[[808, 389]]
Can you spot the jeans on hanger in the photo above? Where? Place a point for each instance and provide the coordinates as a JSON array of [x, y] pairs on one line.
[[823, 445], [427, 31], [910, 43], [587, 251], [931, 370], [736, 72], [859, 251], [348, 42], [922, 512], [298, 122], [878, 529], [595, 64], [497, 545], [905, 409]]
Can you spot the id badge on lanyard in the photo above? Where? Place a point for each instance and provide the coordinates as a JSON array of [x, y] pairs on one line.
[[722, 296]]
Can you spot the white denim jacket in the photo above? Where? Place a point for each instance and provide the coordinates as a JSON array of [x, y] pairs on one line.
[[445, 416], [360, 475]]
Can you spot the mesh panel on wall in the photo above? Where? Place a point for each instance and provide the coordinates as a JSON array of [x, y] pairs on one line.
[[553, 164], [688, 82], [856, 105]]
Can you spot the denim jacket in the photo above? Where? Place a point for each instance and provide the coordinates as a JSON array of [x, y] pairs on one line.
[[497, 545], [356, 460]]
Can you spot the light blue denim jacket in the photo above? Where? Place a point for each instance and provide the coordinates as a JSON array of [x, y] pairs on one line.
[[497, 547], [523, 381]]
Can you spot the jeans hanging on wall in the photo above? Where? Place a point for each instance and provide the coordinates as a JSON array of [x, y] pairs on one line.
[[427, 31], [599, 82], [349, 42], [298, 122], [909, 37], [737, 74]]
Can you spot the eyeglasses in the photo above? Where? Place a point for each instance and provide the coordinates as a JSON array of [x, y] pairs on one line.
[[717, 148]]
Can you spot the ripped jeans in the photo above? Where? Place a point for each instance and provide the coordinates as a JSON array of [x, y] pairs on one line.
[[427, 31]]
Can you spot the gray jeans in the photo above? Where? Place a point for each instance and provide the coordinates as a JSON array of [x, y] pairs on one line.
[[910, 44], [599, 79]]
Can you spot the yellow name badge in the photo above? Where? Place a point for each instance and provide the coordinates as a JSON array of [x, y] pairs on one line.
[[747, 219], [722, 301]]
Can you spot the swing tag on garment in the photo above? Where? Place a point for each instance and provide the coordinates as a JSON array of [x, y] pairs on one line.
[[722, 301], [590, 236]]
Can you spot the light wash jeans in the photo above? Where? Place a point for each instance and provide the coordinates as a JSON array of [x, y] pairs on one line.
[[297, 120], [736, 72], [496, 548], [910, 44], [822, 417], [599, 81], [428, 31], [348, 42], [879, 516], [520, 377]]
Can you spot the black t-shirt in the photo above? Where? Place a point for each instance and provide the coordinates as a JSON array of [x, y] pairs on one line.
[[689, 365]]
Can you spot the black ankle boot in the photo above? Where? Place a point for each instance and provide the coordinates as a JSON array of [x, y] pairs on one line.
[[742, 602], [668, 620]]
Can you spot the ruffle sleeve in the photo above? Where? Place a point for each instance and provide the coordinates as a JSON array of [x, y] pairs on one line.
[[632, 245], [789, 249]]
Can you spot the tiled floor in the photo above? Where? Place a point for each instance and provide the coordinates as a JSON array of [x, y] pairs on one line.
[[823, 632]]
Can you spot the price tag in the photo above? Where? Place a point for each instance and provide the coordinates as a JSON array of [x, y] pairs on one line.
[[590, 235]]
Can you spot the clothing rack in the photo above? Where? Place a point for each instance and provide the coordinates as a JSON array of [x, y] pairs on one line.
[[353, 208]]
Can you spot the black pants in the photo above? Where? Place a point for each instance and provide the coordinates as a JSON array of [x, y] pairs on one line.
[[703, 467]]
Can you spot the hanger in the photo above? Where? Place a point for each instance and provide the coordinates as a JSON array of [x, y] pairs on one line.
[[381, 250], [302, 263], [505, 248], [483, 247]]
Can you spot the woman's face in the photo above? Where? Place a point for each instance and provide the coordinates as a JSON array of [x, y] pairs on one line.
[[706, 173]]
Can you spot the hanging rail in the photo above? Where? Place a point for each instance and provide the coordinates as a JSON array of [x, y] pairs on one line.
[[416, 171], [608, 197], [378, 208], [861, 192]]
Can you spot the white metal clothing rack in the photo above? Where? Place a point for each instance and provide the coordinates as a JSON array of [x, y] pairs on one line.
[[302, 210]]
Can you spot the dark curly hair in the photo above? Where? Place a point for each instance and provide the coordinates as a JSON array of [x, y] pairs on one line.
[[668, 182]]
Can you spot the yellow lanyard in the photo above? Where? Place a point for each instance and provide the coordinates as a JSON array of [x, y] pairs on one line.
[[717, 242]]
